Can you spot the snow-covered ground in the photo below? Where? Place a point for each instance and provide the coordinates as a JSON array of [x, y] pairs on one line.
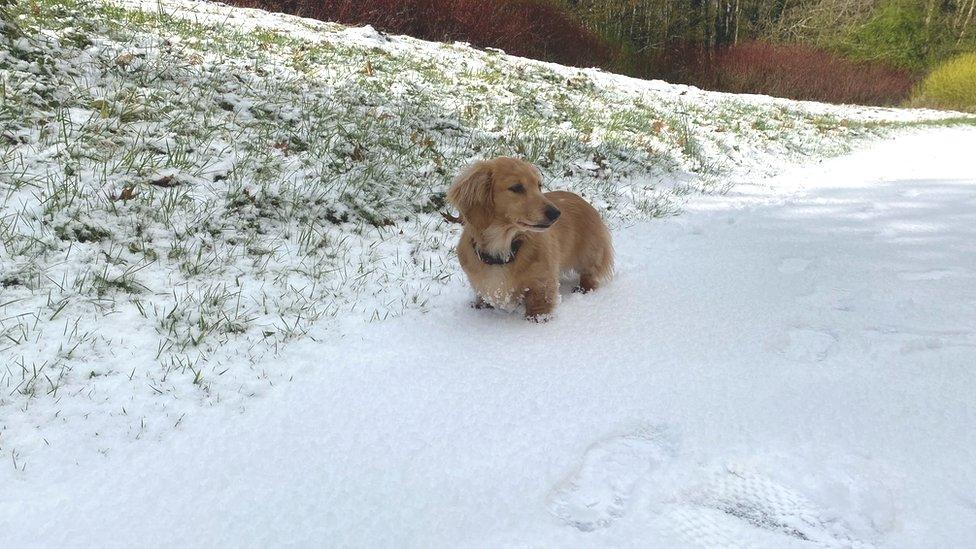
[[211, 218], [789, 365], [187, 188]]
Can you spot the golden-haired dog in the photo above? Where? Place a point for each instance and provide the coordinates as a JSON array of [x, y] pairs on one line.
[[518, 240]]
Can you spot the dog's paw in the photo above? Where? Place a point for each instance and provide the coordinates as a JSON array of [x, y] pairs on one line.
[[539, 318]]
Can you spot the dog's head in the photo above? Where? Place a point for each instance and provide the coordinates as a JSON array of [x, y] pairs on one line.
[[504, 191]]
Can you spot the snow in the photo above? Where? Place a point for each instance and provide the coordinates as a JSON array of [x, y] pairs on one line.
[[215, 359], [787, 365], [188, 188]]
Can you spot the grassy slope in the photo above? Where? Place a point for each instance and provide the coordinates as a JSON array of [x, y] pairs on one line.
[[184, 193]]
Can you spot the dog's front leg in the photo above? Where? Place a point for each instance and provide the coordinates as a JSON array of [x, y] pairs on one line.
[[540, 300]]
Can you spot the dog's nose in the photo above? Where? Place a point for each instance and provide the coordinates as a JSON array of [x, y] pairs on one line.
[[552, 213]]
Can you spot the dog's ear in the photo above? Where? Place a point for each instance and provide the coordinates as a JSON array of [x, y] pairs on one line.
[[538, 173], [471, 188]]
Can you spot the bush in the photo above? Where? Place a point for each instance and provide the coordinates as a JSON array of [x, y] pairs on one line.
[[787, 70], [527, 28], [952, 85], [896, 33]]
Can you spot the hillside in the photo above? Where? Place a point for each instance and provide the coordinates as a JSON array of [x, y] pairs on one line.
[[231, 315], [189, 188]]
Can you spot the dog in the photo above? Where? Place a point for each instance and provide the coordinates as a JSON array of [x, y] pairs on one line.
[[518, 240]]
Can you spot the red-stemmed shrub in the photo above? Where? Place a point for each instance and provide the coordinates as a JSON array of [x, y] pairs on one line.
[[527, 28], [794, 71]]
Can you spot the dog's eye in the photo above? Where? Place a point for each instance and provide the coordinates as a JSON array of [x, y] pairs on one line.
[[517, 188]]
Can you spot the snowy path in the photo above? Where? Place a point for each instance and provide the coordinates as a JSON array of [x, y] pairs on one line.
[[791, 365]]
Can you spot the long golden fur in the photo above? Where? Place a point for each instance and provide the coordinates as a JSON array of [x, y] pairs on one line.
[[501, 201]]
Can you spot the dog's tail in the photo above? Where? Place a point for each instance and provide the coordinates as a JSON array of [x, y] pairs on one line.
[[604, 271]]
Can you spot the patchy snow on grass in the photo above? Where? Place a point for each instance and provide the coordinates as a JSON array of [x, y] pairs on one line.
[[788, 365], [201, 203]]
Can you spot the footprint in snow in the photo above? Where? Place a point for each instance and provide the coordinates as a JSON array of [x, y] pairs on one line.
[[740, 505], [600, 490]]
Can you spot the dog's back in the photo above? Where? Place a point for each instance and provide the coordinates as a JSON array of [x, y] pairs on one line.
[[582, 239]]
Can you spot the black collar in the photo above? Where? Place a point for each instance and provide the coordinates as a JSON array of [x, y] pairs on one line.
[[494, 259]]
